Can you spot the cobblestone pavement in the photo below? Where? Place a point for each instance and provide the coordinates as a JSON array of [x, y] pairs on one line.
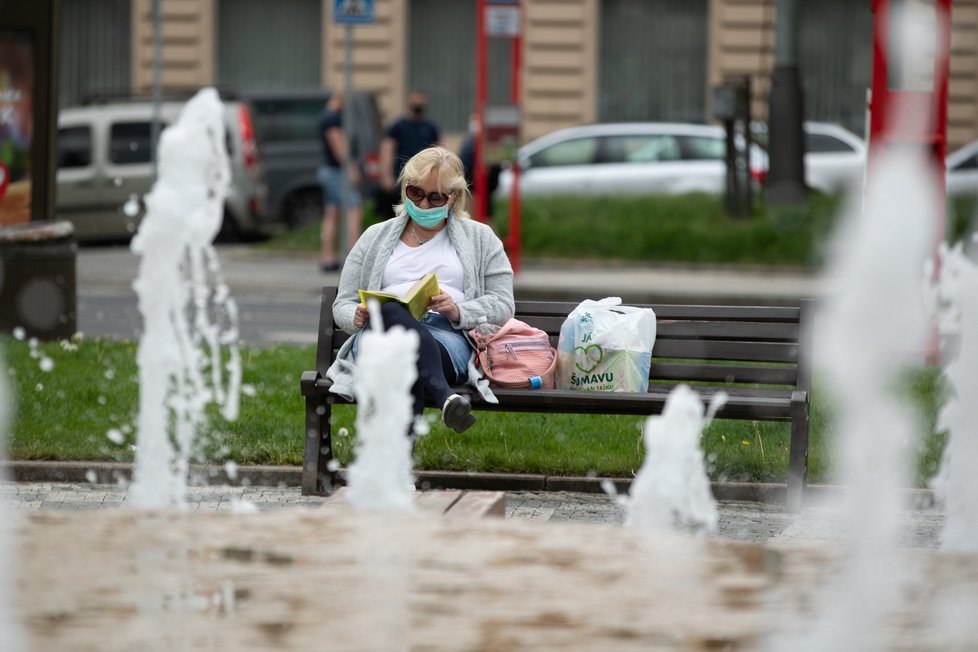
[[739, 521]]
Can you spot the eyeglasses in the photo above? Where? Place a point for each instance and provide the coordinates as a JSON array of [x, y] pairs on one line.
[[435, 199]]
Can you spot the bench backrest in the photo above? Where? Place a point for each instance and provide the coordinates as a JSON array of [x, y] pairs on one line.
[[728, 345]]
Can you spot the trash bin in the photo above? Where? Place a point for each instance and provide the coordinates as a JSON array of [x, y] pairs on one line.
[[37, 279]]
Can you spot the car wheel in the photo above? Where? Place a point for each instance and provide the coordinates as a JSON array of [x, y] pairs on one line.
[[303, 207]]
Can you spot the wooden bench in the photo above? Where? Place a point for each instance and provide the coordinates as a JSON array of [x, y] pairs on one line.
[[759, 355]]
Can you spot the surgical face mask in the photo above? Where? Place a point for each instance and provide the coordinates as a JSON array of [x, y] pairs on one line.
[[425, 217]]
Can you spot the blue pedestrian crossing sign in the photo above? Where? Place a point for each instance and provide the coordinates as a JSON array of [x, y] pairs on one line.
[[353, 12]]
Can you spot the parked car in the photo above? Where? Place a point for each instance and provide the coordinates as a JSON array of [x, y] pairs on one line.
[[104, 160], [962, 171], [287, 128], [626, 159], [835, 158]]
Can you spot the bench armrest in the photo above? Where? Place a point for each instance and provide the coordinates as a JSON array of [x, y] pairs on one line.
[[312, 383]]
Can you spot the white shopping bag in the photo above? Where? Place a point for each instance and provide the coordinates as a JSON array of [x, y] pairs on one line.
[[606, 347]]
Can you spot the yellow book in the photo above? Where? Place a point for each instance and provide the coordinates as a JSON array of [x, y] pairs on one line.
[[416, 299]]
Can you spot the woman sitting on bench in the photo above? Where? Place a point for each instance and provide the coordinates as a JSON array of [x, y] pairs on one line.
[[431, 232]]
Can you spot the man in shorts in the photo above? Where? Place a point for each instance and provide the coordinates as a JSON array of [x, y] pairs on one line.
[[335, 183]]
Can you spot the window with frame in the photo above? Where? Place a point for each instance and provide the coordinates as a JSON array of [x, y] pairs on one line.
[[648, 148], [579, 151], [970, 163], [129, 142], [824, 143], [74, 147], [703, 148], [287, 120]]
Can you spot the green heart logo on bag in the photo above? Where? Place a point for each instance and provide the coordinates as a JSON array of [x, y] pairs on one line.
[[583, 355]]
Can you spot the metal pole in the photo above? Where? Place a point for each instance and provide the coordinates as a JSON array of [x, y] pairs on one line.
[[347, 137], [480, 184], [157, 83], [786, 174]]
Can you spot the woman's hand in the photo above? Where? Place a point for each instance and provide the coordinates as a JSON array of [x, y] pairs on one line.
[[444, 305], [361, 316]]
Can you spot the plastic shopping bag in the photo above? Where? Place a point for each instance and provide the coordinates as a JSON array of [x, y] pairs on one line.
[[606, 347]]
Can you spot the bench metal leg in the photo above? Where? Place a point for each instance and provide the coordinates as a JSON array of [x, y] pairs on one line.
[[798, 454], [317, 479]]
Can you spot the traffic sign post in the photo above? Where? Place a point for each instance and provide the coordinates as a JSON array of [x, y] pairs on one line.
[[499, 126], [349, 13], [353, 12]]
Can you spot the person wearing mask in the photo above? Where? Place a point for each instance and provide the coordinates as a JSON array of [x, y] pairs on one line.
[[431, 232], [407, 136], [334, 183]]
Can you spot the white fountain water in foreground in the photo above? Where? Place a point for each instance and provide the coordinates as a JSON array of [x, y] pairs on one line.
[[873, 330], [672, 489], [956, 483], [11, 635], [187, 312], [381, 477]]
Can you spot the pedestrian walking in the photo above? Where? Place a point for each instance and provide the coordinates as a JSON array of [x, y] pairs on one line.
[[334, 184], [407, 136]]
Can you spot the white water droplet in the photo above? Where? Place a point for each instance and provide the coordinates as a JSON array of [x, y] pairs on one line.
[[131, 207], [46, 364], [115, 436], [231, 468], [20, 333]]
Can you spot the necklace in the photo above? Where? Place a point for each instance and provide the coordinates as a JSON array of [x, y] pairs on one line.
[[416, 236]]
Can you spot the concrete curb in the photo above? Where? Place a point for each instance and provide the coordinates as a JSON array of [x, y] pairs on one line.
[[291, 476]]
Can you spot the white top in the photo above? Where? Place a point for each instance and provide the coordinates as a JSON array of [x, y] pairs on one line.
[[407, 264]]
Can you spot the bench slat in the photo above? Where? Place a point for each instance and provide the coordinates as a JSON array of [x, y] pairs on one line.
[[723, 373], [718, 350], [762, 331], [775, 404], [787, 314]]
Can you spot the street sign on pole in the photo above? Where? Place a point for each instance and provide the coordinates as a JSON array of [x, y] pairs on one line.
[[353, 12]]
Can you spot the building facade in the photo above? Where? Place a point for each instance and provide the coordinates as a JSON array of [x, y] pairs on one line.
[[582, 60]]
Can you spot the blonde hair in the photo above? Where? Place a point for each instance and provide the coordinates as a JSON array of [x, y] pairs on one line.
[[450, 174]]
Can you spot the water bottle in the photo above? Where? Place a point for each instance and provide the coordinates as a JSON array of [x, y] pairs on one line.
[[483, 331]]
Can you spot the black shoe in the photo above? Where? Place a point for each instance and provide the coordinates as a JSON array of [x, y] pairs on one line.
[[328, 267], [457, 413]]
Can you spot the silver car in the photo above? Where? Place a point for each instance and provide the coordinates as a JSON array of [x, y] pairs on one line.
[[641, 158], [835, 158], [962, 171], [104, 161]]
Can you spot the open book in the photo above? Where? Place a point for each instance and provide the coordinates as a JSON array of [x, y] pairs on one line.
[[416, 298]]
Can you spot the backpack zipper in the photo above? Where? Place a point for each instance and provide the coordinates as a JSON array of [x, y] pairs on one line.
[[510, 347]]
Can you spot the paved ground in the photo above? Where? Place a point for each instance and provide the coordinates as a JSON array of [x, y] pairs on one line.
[[739, 521]]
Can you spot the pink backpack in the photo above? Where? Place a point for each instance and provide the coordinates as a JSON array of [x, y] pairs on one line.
[[517, 356]]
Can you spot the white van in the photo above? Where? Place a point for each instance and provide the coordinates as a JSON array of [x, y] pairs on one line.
[[104, 160]]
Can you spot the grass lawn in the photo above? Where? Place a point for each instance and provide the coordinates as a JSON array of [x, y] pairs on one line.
[[79, 401]]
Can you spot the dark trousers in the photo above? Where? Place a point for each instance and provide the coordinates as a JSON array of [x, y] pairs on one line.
[[435, 369]]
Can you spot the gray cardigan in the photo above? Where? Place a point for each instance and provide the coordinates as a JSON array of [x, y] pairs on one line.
[[488, 286]]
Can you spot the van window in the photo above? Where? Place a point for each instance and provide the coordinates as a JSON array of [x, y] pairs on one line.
[[74, 147], [129, 142], [278, 120]]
